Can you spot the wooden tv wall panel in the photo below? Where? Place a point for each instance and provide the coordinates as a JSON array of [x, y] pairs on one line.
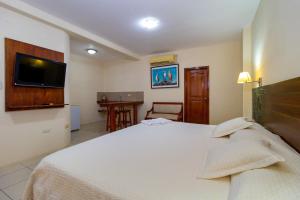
[[28, 98]]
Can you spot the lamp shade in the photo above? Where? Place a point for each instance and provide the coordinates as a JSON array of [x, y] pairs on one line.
[[244, 77]]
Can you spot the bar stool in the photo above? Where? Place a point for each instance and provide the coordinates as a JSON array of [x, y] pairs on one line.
[[123, 113]]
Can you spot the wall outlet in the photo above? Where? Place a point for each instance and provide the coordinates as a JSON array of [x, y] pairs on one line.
[[46, 131]]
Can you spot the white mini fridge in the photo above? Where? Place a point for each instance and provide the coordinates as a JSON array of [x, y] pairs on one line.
[[75, 117]]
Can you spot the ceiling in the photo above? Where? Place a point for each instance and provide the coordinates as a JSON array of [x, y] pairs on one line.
[[184, 23], [104, 55]]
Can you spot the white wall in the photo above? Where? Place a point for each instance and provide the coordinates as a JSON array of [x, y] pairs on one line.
[[225, 61], [276, 41], [86, 79], [21, 132]]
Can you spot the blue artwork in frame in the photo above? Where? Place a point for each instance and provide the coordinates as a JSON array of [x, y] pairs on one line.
[[165, 76]]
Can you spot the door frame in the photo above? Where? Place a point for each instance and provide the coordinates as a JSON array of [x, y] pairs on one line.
[[185, 89]]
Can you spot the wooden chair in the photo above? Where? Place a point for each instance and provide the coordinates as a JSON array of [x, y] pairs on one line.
[[167, 110]]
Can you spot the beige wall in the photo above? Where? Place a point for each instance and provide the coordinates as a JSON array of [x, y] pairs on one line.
[[276, 41], [225, 61], [24, 134], [86, 79], [247, 67], [273, 38]]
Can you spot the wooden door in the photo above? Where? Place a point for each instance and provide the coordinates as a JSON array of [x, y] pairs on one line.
[[196, 95]]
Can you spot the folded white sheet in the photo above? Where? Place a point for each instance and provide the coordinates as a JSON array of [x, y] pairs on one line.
[[155, 122]]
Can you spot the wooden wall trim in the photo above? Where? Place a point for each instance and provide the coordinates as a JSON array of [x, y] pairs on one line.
[[277, 108], [27, 98]]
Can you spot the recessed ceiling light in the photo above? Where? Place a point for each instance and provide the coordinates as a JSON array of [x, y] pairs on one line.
[[91, 51], [149, 23]]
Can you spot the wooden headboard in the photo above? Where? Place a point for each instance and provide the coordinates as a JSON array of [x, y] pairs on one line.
[[277, 108]]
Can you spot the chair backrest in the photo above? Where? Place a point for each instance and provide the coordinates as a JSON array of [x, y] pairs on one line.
[[167, 107]]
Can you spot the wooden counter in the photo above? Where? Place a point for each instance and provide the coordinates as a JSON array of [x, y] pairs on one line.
[[111, 105]]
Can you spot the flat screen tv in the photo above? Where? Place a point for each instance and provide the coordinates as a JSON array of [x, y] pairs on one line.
[[38, 72]]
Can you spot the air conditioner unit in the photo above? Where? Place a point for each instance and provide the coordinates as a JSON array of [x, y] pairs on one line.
[[163, 60]]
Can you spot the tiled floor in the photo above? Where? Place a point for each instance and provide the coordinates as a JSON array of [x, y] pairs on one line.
[[13, 178], [87, 132]]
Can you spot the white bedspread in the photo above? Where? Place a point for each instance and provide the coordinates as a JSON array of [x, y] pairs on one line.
[[138, 163]]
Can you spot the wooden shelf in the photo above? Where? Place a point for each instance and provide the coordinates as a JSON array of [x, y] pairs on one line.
[[15, 108]]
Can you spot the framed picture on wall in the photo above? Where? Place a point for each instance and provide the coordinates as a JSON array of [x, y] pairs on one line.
[[165, 76]]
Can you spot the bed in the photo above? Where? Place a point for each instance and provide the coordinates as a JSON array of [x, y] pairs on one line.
[[126, 165], [162, 163]]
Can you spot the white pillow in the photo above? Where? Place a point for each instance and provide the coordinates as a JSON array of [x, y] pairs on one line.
[[258, 132], [238, 156], [277, 182], [230, 126], [252, 134]]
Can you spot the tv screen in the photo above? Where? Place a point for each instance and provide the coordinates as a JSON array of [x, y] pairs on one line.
[[38, 72]]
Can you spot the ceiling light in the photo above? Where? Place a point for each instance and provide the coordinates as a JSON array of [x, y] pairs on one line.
[[91, 51], [149, 23]]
